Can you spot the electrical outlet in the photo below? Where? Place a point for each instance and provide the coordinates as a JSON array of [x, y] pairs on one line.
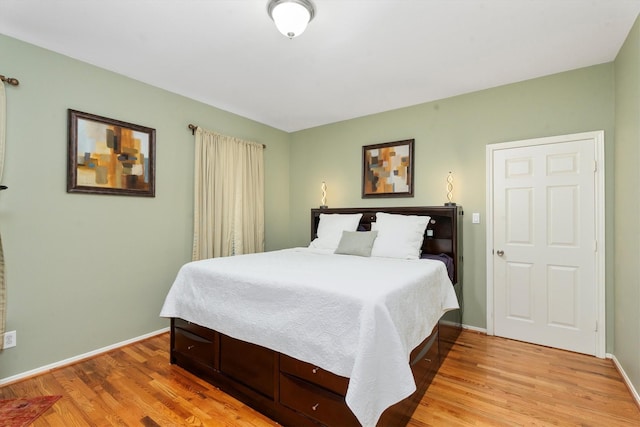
[[9, 339]]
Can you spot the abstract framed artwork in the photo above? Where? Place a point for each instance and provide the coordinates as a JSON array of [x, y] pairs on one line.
[[387, 169], [108, 156]]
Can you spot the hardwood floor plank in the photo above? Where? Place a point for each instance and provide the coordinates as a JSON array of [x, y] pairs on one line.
[[484, 381]]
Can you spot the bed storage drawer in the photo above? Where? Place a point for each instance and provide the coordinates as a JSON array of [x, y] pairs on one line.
[[425, 359], [195, 329], [315, 402], [250, 364], [194, 347], [313, 374]]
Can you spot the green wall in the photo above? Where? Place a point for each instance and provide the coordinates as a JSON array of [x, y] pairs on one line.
[[88, 271], [627, 203], [451, 135]]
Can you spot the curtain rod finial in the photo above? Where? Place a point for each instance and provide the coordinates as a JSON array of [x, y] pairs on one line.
[[10, 80]]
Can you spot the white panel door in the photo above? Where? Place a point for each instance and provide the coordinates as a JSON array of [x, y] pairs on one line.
[[544, 238]]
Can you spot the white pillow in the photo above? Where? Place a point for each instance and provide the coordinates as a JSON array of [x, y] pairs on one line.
[[331, 227], [399, 236]]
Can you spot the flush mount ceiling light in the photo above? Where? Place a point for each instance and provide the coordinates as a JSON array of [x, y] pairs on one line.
[[291, 16]]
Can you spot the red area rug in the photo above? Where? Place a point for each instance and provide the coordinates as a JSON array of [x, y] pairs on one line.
[[22, 412]]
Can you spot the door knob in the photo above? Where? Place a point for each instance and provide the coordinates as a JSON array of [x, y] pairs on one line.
[[500, 253]]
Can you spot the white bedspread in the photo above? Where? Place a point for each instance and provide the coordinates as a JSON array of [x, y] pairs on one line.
[[354, 316]]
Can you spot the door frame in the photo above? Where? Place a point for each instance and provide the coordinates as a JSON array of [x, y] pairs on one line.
[[599, 244]]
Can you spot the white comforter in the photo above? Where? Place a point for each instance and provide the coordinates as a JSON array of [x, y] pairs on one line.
[[354, 316]]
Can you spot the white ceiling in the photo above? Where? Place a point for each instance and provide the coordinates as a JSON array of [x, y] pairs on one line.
[[356, 58]]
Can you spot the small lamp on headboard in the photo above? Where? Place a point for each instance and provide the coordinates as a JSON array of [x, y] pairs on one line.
[[323, 187], [450, 190]]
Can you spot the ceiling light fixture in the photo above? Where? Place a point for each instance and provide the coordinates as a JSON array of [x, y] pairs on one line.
[[291, 16]]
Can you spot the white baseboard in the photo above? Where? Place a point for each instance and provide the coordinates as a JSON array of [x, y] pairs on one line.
[[78, 358], [469, 327], [474, 328], [626, 379]]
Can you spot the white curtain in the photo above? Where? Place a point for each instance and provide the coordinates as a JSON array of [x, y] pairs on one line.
[[229, 196], [3, 292]]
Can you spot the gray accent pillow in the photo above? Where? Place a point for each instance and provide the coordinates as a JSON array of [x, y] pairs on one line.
[[356, 243]]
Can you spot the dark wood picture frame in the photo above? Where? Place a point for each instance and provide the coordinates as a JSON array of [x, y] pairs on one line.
[[108, 156], [387, 169]]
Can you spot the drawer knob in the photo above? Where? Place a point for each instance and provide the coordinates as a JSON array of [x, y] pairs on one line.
[[190, 347], [315, 407], [315, 370]]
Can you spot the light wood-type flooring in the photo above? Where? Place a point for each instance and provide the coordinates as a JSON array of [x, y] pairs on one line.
[[484, 381]]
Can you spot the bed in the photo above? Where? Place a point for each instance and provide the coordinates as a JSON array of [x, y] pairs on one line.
[[325, 334]]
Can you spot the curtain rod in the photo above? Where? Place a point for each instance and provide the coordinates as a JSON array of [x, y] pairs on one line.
[[194, 127], [9, 80]]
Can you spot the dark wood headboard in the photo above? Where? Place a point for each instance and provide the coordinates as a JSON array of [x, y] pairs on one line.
[[443, 233]]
